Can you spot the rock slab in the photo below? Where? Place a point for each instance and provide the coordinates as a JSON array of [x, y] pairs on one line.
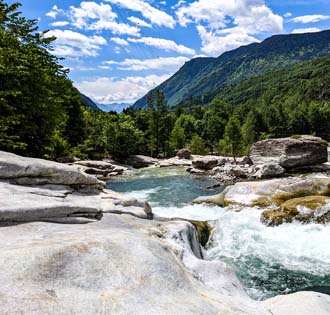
[[291, 152]]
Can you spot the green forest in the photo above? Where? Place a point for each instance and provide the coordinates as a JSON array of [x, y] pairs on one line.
[[42, 115]]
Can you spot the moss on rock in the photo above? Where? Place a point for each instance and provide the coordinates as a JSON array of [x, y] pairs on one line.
[[289, 211]]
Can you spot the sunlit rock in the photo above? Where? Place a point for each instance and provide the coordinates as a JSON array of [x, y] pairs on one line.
[[311, 209]]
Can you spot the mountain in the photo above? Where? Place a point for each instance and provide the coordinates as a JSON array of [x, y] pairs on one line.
[[303, 83], [115, 107], [87, 102], [201, 76]]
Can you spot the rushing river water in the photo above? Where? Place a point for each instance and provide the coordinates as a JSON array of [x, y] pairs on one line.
[[268, 261]]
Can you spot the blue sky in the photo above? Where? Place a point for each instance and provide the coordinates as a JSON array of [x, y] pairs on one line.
[[118, 50]]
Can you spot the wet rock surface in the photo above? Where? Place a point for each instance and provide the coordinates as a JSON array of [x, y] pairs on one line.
[[310, 209]]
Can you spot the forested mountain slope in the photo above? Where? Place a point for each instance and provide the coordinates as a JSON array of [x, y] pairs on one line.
[[204, 75]]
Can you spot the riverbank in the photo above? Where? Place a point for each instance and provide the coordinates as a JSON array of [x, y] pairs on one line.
[[122, 260]]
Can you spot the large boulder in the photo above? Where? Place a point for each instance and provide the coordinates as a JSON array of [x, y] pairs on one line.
[[123, 265], [39, 190], [119, 265], [28, 203], [206, 162], [270, 192], [30, 171], [183, 154], [289, 152], [140, 161]]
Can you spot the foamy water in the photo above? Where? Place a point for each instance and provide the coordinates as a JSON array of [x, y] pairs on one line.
[[271, 260], [268, 260]]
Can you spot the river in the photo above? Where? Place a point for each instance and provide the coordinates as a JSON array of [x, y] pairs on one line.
[[268, 260]]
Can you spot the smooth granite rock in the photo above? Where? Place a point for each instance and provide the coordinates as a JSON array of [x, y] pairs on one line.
[[175, 161], [268, 192], [300, 303], [30, 171], [140, 161], [291, 152], [119, 265]]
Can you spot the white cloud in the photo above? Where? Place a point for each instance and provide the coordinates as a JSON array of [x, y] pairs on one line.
[[288, 14], [81, 16], [54, 12], [93, 16], [170, 64], [73, 44], [151, 13], [165, 44], [119, 41], [306, 30], [253, 14], [224, 25], [119, 90], [214, 45], [310, 18], [60, 23], [139, 22]]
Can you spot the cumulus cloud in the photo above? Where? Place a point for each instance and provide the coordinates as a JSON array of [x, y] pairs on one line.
[[170, 64], [215, 43], [224, 24], [139, 22], [306, 30], [154, 15], [119, 41], [310, 18], [73, 44], [119, 90], [54, 12], [165, 44], [94, 16]]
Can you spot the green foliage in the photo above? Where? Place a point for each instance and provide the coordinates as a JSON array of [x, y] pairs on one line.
[[39, 108], [233, 136], [215, 119], [248, 131], [160, 123], [197, 145], [123, 138], [178, 138]]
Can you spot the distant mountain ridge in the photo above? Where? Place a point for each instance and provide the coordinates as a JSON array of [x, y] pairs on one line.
[[87, 102], [115, 107], [200, 76]]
